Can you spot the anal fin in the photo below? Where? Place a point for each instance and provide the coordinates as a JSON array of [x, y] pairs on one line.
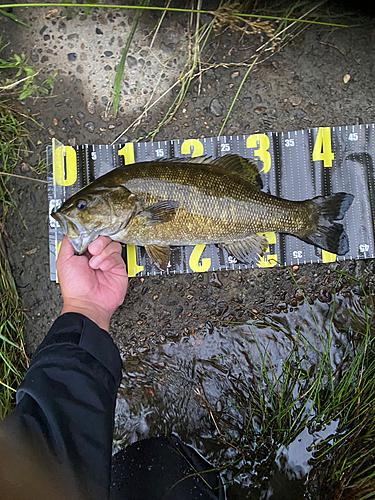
[[159, 255], [249, 249]]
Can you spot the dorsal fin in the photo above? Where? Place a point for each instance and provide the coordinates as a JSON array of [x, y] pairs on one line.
[[241, 166]]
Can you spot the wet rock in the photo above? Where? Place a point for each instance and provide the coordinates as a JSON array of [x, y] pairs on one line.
[[216, 108], [90, 127], [72, 56], [169, 301], [214, 280], [98, 31], [108, 53], [91, 108], [25, 167], [300, 113], [324, 295], [132, 61], [34, 56], [32, 198]]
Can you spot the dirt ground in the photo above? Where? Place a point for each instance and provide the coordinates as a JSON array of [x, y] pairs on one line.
[[298, 87]]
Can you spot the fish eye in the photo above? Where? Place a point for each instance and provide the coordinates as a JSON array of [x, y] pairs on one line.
[[81, 205]]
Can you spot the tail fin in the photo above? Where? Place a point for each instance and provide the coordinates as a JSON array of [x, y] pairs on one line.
[[329, 235]]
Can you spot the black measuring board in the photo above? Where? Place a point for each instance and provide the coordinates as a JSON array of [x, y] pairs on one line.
[[294, 165]]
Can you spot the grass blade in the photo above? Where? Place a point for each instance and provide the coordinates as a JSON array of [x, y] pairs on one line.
[[121, 66]]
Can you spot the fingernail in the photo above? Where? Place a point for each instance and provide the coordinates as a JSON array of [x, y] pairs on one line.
[[96, 246], [94, 261]]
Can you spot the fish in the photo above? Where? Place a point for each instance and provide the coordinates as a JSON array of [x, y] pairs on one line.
[[165, 203]]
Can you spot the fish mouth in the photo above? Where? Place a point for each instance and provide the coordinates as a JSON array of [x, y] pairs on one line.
[[79, 239]]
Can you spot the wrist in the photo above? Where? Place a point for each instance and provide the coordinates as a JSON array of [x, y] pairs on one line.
[[96, 313]]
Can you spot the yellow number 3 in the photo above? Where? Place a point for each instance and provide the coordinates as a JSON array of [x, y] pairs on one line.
[[262, 142]]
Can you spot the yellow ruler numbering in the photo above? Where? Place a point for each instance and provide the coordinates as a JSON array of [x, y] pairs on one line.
[[261, 144], [194, 260], [268, 260]]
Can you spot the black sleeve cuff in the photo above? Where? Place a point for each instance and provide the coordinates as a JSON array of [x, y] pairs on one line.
[[78, 329]]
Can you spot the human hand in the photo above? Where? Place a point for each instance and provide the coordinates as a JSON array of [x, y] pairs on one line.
[[95, 283]]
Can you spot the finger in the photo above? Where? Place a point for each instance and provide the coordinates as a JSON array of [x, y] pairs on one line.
[[113, 261], [112, 248], [66, 251], [97, 246]]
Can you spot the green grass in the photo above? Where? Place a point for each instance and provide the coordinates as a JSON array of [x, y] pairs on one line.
[[17, 82]]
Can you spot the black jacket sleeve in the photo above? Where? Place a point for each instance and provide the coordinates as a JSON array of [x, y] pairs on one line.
[[57, 442]]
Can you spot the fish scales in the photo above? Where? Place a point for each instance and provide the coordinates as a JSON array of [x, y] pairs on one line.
[[213, 207]]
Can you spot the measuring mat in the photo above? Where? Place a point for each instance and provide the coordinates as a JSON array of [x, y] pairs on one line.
[[294, 165]]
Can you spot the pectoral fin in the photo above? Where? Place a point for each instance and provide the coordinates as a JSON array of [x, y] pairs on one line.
[[159, 256], [160, 212], [249, 249]]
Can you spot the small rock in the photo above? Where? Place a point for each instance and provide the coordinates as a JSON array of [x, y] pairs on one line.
[[107, 67], [79, 69], [98, 31], [132, 61], [31, 252], [72, 56], [80, 115], [216, 108], [235, 75], [111, 126], [32, 198], [34, 56], [108, 53], [346, 78], [72, 141], [44, 59], [51, 131], [91, 108], [214, 280], [90, 127], [43, 30], [104, 100], [25, 167], [295, 268], [300, 113]]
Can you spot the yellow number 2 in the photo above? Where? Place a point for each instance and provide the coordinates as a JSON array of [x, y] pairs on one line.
[[323, 148], [197, 146], [268, 260], [262, 142]]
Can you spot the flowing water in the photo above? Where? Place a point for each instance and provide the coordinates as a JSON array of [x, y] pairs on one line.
[[199, 388]]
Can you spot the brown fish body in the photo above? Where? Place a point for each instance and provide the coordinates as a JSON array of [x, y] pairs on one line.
[[175, 203], [213, 207]]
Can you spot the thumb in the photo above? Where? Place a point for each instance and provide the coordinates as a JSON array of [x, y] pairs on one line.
[[66, 251]]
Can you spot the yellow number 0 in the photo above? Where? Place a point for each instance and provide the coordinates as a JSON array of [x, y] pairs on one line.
[[68, 175], [262, 142]]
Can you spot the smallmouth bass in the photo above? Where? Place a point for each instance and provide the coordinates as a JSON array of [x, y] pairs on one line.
[[175, 203]]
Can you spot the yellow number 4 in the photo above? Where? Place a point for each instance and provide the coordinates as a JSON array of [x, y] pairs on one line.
[[323, 149]]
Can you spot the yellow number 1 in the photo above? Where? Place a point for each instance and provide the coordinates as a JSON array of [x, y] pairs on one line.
[[323, 148]]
